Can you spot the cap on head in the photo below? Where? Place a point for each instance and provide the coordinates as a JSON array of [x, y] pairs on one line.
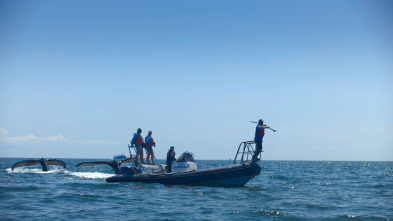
[[172, 148], [149, 132], [139, 130], [260, 121]]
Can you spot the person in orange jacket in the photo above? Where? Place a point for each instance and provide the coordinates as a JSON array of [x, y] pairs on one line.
[[137, 141], [149, 141]]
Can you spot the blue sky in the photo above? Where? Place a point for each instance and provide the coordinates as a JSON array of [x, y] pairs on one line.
[[77, 78]]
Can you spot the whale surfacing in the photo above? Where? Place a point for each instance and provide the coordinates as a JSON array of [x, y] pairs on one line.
[[115, 164], [44, 163]]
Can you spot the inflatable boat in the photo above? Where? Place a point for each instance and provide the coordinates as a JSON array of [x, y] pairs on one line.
[[185, 172], [226, 176]]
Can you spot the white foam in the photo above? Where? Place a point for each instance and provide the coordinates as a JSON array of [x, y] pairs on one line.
[[52, 169], [85, 175], [90, 175], [27, 170]]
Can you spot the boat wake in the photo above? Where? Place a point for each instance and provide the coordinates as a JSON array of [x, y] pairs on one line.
[[53, 169], [89, 175], [83, 175]]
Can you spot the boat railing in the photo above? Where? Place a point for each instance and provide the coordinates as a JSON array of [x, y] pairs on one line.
[[245, 152]]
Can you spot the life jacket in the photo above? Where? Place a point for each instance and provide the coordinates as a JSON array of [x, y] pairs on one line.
[[149, 141], [170, 156], [259, 132], [138, 140]]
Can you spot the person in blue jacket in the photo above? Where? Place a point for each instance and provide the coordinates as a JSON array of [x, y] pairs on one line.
[[137, 141], [170, 156], [259, 133]]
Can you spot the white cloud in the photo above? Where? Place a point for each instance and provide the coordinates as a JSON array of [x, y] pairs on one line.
[[95, 142], [3, 132], [31, 138]]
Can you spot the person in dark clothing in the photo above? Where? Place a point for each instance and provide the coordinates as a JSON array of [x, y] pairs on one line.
[[259, 133], [137, 141], [170, 156]]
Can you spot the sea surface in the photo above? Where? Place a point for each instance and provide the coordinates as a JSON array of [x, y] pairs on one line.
[[285, 190]]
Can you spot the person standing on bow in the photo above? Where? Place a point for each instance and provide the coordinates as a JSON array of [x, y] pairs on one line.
[[137, 141], [170, 156], [149, 141], [259, 133]]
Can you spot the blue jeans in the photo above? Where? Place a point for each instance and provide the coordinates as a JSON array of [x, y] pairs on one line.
[[258, 149], [169, 166]]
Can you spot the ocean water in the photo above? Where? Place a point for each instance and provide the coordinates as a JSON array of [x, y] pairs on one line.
[[285, 190]]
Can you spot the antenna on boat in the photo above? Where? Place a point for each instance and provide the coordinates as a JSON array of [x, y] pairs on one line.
[[129, 149]]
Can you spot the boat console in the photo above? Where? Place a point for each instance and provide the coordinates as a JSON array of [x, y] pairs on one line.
[[185, 163]]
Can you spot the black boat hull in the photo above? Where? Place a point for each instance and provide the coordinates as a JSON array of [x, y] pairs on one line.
[[227, 176]]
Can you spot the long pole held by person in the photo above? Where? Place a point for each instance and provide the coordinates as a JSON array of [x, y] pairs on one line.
[[274, 130]]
